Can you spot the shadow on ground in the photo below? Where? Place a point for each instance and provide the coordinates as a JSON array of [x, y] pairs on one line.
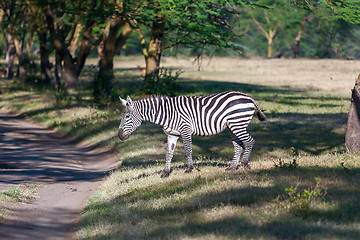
[[29, 153], [182, 218]]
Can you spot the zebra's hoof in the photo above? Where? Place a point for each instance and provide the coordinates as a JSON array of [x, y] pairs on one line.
[[165, 174], [189, 170], [231, 168], [246, 166]]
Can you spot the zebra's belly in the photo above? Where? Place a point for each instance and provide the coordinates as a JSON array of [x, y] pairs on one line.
[[206, 131], [171, 131]]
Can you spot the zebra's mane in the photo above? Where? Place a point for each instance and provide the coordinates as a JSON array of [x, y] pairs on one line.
[[150, 96]]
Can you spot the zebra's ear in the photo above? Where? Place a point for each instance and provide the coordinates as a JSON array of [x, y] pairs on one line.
[[123, 101], [129, 101]]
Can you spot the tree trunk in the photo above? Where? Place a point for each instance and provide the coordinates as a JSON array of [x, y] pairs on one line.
[[352, 137], [21, 72], [111, 44], [29, 45], [10, 56], [70, 72], [296, 46], [269, 48], [75, 40], [58, 39], [19, 44], [155, 50], [58, 71], [108, 47], [45, 66], [27, 66]]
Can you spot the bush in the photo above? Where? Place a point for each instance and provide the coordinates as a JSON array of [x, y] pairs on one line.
[[162, 83], [300, 203], [103, 91], [61, 95]]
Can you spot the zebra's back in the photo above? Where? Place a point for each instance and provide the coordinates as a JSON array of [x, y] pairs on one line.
[[210, 115]]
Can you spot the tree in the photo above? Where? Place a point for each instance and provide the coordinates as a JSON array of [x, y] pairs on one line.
[[16, 22], [295, 47], [63, 18], [275, 23], [352, 137], [114, 37], [269, 29], [10, 24], [186, 23]]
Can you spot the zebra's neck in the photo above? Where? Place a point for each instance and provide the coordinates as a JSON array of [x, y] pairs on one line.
[[152, 109]]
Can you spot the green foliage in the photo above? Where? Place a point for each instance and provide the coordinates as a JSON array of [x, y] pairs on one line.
[[288, 165], [347, 10], [163, 83], [11, 195], [201, 29], [284, 165], [102, 88], [300, 203], [324, 35], [61, 95], [190, 23]]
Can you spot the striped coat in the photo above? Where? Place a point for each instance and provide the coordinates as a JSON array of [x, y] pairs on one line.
[[194, 115]]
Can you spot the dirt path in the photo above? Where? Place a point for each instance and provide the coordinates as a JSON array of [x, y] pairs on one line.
[[66, 176]]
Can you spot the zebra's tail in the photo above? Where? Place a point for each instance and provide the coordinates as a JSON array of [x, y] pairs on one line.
[[261, 116]]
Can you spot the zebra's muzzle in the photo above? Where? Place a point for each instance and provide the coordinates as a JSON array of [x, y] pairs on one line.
[[121, 135]]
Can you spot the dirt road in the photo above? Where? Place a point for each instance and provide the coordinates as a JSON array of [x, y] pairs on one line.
[[65, 175]]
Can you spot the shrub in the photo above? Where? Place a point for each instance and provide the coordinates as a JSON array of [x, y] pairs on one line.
[[291, 165], [300, 203], [162, 83]]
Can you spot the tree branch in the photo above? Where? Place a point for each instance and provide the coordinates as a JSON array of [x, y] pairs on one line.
[[142, 42], [261, 28]]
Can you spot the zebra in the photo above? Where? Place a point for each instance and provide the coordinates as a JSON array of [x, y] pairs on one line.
[[194, 115]]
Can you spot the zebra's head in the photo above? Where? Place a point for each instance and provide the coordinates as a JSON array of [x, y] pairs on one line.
[[130, 119]]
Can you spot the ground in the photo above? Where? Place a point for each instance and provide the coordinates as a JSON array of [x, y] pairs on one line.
[[61, 175], [299, 151]]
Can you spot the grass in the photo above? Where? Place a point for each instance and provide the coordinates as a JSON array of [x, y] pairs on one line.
[[17, 194], [302, 141], [214, 204], [21, 193]]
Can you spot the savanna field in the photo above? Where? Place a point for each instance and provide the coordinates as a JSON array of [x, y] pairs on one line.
[[302, 183]]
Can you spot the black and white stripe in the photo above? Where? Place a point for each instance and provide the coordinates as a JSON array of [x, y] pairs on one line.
[[194, 115]]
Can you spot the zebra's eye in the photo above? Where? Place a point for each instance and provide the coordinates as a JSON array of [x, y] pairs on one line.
[[127, 115]]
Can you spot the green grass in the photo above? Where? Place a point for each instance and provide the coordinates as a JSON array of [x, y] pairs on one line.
[[18, 194], [303, 139], [21, 193]]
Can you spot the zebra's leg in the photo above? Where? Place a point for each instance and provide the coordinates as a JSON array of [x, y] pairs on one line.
[[171, 144], [237, 154], [248, 145], [186, 137], [241, 138], [237, 151]]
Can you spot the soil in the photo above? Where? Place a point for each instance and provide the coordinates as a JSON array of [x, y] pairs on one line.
[[65, 175]]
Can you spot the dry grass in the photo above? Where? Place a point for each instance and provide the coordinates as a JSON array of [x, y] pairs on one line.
[[332, 76], [328, 75]]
